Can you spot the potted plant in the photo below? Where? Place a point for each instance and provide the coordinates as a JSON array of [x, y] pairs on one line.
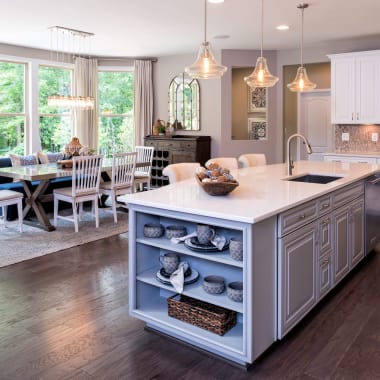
[[161, 130]]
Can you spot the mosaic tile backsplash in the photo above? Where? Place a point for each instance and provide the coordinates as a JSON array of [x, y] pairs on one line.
[[360, 138]]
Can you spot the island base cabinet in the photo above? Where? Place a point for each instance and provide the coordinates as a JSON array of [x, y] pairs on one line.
[[255, 328], [297, 260]]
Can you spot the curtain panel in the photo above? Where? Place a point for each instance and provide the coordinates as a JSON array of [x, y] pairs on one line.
[[86, 84], [143, 100]]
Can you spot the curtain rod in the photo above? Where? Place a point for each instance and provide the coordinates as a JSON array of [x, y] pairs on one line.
[[153, 59]]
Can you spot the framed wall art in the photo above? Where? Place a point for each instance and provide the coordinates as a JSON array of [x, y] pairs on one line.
[[257, 129], [257, 99]]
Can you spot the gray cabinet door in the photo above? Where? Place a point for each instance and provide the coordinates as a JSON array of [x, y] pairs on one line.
[[341, 243], [298, 258]]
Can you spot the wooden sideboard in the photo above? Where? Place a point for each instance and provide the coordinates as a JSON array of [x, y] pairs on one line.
[[176, 149]]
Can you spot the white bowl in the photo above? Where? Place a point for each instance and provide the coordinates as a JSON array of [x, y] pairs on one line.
[[213, 284], [153, 230], [235, 291]]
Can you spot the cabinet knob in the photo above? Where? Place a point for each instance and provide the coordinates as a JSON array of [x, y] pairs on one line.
[[325, 205], [302, 216]]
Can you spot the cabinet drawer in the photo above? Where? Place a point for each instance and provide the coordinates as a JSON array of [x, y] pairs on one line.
[[324, 204], [347, 194], [297, 217], [151, 143], [188, 145]]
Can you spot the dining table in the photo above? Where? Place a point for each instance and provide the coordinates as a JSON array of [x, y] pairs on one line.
[[35, 197]]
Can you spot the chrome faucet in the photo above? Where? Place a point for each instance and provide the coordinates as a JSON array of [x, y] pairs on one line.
[[308, 150]]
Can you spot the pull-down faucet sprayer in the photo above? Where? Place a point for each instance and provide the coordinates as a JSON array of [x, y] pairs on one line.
[[290, 163]]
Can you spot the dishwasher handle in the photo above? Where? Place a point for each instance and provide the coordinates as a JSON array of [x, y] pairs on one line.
[[374, 181]]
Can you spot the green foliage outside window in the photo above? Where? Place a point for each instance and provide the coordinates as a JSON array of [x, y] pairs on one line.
[[115, 111], [12, 119], [55, 123]]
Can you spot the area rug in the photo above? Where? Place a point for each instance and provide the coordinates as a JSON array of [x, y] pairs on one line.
[[34, 242]]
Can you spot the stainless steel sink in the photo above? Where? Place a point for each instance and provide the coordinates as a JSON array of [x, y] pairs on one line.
[[314, 178]]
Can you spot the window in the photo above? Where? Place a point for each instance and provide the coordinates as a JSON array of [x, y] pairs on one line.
[[56, 124], [12, 107], [115, 91]]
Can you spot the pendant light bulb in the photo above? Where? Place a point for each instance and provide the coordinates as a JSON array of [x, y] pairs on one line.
[[205, 66], [301, 82], [261, 76]]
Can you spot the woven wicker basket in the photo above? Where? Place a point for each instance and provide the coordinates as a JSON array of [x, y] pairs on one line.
[[202, 314], [217, 188]]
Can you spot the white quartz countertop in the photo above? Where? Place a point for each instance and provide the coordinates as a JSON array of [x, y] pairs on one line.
[[262, 192]]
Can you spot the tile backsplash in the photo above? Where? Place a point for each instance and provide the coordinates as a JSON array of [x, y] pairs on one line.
[[360, 138]]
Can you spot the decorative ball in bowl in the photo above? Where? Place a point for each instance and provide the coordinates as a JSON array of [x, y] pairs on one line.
[[213, 284], [153, 230], [175, 231], [217, 188], [235, 291]]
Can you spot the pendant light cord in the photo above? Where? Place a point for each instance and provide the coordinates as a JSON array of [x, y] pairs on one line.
[[262, 26], [302, 7], [302, 36], [205, 20]]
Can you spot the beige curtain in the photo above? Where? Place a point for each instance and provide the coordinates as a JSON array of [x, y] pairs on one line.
[[86, 84], [143, 100]]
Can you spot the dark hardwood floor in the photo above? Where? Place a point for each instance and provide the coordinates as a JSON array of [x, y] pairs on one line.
[[65, 316]]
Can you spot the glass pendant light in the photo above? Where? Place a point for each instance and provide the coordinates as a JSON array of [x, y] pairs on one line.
[[261, 76], [205, 66], [301, 82]]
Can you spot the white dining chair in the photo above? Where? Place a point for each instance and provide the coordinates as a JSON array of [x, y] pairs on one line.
[[143, 173], [122, 178], [230, 163], [252, 159], [85, 187], [10, 197], [181, 171]]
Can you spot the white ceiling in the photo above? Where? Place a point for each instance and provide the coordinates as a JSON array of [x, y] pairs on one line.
[[133, 28]]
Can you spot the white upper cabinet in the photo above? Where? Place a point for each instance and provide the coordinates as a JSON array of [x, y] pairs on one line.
[[355, 88]]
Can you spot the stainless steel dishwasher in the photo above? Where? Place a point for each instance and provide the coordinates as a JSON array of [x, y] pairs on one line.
[[372, 211]]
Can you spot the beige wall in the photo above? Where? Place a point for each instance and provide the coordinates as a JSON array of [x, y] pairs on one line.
[[239, 103]]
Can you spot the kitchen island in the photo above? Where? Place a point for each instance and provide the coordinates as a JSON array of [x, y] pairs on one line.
[[299, 240]]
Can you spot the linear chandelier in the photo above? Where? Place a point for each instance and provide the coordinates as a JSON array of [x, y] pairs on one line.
[[261, 76], [301, 82], [205, 66], [69, 39]]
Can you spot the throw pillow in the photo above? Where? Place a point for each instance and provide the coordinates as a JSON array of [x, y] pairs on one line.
[[23, 160], [48, 158]]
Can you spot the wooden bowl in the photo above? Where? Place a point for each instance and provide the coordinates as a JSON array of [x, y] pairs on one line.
[[217, 188]]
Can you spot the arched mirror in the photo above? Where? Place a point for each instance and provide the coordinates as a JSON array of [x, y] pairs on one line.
[[184, 102]]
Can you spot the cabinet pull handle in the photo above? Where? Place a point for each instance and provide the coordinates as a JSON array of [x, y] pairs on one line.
[[352, 116], [325, 205], [302, 216], [357, 115]]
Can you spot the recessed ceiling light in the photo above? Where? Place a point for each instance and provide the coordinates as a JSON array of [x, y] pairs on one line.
[[282, 27], [221, 37], [215, 1]]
